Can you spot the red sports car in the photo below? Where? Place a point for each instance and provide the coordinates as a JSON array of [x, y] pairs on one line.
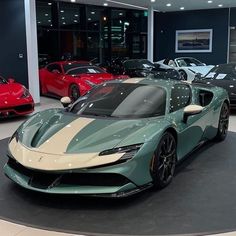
[[15, 99], [71, 78]]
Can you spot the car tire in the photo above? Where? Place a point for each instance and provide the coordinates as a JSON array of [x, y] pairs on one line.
[[183, 75], [164, 161], [74, 92], [223, 123]]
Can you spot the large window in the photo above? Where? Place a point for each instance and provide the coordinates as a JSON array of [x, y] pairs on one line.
[[180, 97], [72, 30]]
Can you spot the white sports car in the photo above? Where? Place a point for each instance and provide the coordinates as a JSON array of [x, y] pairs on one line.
[[188, 67]]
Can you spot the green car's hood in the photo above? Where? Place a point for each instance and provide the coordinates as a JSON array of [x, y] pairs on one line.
[[57, 131]]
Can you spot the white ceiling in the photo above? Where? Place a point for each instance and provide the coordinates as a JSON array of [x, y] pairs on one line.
[[160, 5]]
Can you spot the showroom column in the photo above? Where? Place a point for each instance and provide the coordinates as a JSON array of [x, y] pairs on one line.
[[32, 48], [150, 33]]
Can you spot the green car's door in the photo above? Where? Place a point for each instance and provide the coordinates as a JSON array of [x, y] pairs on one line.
[[191, 132]]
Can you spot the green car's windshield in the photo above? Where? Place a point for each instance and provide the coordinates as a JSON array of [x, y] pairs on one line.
[[122, 100]]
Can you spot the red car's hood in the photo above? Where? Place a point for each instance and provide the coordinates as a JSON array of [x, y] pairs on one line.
[[96, 78], [10, 93]]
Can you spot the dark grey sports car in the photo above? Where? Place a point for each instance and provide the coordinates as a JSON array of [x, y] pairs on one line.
[[224, 76]]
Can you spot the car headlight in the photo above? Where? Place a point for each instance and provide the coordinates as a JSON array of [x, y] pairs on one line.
[[194, 72], [26, 93], [129, 151], [15, 135]]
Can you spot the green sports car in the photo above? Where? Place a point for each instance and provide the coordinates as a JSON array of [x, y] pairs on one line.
[[120, 138]]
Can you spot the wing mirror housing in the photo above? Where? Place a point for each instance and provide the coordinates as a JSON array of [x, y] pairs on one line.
[[11, 80], [56, 72], [191, 110], [65, 101]]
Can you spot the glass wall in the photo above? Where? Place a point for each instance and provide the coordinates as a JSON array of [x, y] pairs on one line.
[[70, 30]]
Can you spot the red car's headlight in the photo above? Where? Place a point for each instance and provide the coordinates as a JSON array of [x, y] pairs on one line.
[[25, 94]]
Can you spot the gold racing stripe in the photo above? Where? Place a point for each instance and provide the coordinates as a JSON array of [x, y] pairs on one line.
[[51, 154], [33, 158], [59, 142], [133, 80]]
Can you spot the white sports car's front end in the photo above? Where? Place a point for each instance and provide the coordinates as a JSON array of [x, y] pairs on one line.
[[188, 67]]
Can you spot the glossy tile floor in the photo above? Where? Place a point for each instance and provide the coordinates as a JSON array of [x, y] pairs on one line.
[[7, 128]]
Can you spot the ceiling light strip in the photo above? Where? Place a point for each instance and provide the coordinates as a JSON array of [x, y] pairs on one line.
[[127, 4]]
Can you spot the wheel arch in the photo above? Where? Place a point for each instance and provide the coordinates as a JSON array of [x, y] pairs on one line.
[[173, 132], [227, 102]]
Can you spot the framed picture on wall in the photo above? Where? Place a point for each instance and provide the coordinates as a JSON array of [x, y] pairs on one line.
[[191, 41]]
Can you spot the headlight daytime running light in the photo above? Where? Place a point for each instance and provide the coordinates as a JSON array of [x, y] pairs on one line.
[[25, 93], [129, 151]]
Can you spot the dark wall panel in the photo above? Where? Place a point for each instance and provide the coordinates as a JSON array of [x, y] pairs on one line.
[[13, 41], [233, 16], [166, 25]]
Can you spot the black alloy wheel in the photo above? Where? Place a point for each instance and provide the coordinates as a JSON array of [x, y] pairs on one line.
[[74, 93], [223, 123], [164, 161]]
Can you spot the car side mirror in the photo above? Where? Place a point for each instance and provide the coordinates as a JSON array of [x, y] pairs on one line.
[[11, 81], [65, 101], [56, 71], [191, 110]]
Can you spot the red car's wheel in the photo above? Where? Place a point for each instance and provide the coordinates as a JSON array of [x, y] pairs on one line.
[[74, 92]]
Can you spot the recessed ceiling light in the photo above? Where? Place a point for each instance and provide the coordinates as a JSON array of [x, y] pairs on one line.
[[92, 12], [64, 23], [63, 18], [75, 21], [89, 18], [153, 0], [46, 14], [76, 15], [49, 3], [49, 20], [105, 4], [220, 5], [73, 0], [209, 1], [181, 8], [121, 14], [168, 4], [62, 11]]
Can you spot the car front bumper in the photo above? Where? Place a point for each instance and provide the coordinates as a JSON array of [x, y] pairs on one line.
[[90, 183]]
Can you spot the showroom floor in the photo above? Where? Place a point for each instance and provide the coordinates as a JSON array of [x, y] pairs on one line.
[[6, 130]]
